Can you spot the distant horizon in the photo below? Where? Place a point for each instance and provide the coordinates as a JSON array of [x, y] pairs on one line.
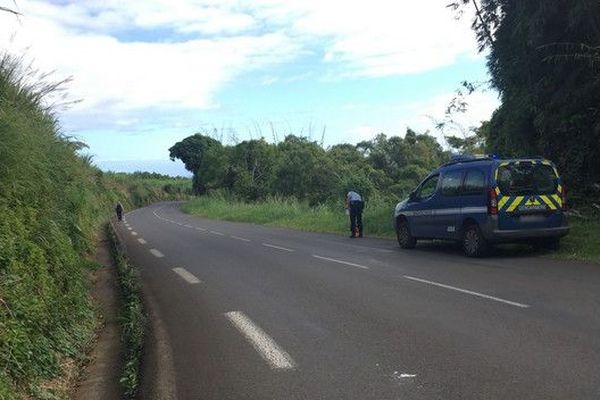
[[163, 167]]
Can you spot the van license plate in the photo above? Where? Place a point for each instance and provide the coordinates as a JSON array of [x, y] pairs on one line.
[[531, 218]]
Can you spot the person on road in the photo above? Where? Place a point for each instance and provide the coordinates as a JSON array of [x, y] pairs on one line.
[[355, 204], [119, 209]]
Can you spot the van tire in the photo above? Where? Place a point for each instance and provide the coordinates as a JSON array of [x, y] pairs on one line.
[[405, 239], [474, 244]]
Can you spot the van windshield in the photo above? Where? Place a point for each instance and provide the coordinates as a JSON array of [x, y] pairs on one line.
[[527, 178]]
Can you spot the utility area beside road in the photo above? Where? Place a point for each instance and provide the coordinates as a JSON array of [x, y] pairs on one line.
[[260, 312]]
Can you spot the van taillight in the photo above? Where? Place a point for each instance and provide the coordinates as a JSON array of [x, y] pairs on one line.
[[563, 198], [493, 202]]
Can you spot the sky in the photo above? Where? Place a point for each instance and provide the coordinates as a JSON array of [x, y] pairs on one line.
[[148, 73]]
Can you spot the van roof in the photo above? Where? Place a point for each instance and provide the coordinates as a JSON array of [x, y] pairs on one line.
[[491, 159]]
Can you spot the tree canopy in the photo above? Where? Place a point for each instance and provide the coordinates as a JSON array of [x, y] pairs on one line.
[[301, 168], [543, 59]]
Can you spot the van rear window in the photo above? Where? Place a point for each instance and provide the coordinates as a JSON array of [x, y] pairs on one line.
[[527, 178]]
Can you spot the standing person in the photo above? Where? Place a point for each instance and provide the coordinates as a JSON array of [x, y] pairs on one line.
[[119, 209], [355, 204]]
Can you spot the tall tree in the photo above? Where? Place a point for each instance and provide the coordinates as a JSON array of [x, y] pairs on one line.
[[550, 93], [204, 157]]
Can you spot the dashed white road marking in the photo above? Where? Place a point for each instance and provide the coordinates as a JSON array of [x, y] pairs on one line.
[[157, 253], [133, 233], [200, 229], [485, 296], [129, 228], [188, 226], [269, 350], [240, 238], [217, 233], [187, 276], [277, 247], [142, 241], [340, 261]]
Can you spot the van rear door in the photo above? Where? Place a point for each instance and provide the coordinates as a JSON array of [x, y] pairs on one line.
[[528, 195]]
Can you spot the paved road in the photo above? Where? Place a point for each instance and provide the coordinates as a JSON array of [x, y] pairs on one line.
[[254, 312]]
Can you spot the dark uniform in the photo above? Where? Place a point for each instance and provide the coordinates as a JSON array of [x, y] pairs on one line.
[[355, 205], [119, 210]]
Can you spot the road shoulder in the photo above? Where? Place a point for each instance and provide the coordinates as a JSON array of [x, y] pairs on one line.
[[101, 377]]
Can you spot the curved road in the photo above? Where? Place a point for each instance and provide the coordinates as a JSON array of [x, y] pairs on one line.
[[254, 312]]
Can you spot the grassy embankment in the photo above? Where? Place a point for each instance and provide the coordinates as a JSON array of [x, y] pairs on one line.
[[52, 203], [582, 243]]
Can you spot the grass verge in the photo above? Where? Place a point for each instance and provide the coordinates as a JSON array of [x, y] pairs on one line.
[[132, 318], [289, 213], [582, 243]]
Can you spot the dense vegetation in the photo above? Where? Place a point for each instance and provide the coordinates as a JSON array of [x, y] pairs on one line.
[[52, 202], [544, 59], [302, 169]]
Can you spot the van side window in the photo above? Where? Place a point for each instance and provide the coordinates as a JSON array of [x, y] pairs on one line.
[[474, 182], [428, 187], [451, 182]]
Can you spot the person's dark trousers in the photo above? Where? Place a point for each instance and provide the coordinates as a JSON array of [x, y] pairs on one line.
[[356, 208], [120, 216]]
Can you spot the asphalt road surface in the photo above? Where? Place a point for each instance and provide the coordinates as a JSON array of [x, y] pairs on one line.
[[255, 312]]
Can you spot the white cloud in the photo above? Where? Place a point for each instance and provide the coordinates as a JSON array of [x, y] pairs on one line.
[[423, 115], [110, 74], [209, 43], [379, 37]]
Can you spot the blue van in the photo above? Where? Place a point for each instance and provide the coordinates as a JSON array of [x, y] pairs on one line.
[[482, 201]]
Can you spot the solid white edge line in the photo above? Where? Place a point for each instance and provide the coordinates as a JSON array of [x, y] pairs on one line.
[[217, 233], [485, 296], [157, 253], [340, 261], [268, 349], [240, 238], [142, 241], [186, 275], [277, 247]]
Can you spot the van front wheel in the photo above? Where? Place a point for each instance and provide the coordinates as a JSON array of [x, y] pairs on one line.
[[474, 244], [405, 239]]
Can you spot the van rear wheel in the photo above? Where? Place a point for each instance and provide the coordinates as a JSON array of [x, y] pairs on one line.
[[474, 244], [405, 239]]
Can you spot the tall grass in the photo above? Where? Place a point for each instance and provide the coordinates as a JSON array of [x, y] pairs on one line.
[[48, 207], [52, 202], [291, 213]]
